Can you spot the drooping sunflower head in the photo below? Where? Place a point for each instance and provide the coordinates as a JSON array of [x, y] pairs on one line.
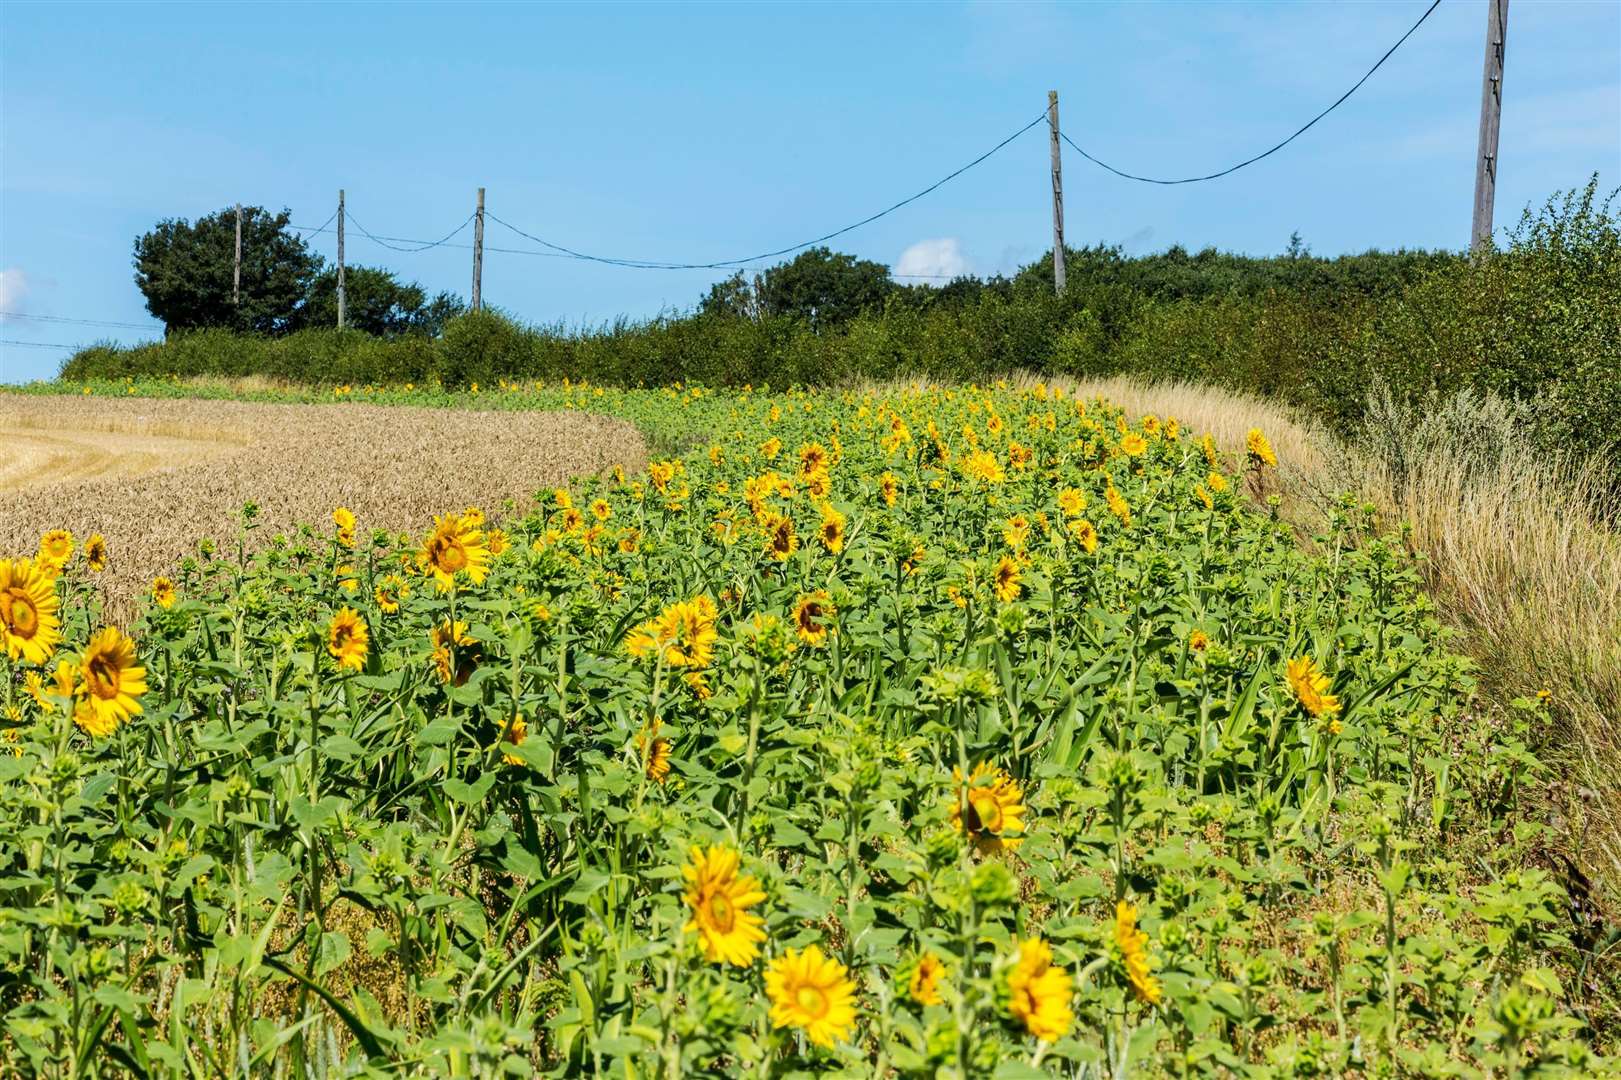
[[989, 807], [811, 615], [889, 488], [29, 624], [1038, 993], [95, 553], [110, 680], [1310, 687], [1016, 532], [496, 540], [1198, 641], [163, 593], [719, 898], [347, 641], [456, 546], [656, 750], [811, 992]]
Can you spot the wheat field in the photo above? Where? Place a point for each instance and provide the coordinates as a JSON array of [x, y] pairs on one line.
[[155, 476]]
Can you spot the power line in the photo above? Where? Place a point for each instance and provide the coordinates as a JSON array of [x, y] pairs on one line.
[[1268, 153], [732, 264], [330, 219], [421, 246], [78, 322], [40, 345]]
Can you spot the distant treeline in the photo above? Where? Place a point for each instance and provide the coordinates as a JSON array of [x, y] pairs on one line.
[[1538, 322]]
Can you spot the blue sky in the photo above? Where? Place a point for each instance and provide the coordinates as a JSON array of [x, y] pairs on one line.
[[702, 132]]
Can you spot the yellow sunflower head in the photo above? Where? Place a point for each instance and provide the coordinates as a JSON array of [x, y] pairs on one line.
[[163, 592], [719, 898], [831, 532], [889, 488], [28, 610], [656, 750], [602, 509], [346, 639], [456, 653], [1259, 449], [95, 553], [989, 807], [1133, 444], [56, 548], [344, 519], [1006, 580], [811, 615], [1085, 533], [1310, 687], [110, 680], [456, 546], [780, 541], [515, 735], [389, 591], [924, 984], [1038, 994], [811, 992], [1133, 946], [1072, 502]]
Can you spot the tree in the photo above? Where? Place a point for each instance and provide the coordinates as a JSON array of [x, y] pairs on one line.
[[185, 270], [823, 287], [377, 303]]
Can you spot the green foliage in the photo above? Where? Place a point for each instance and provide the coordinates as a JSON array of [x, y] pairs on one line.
[[375, 303], [184, 269], [1538, 323], [320, 870]]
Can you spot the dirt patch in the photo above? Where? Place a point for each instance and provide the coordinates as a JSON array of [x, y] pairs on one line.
[[154, 477]]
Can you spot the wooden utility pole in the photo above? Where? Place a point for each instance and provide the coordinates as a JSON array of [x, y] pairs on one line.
[[340, 258], [1058, 194], [1491, 111], [236, 271], [478, 250]]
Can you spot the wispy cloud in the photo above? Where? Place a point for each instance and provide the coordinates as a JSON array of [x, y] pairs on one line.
[[942, 258], [13, 289]]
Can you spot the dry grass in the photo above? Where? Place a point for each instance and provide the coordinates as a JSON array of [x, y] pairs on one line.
[[129, 470]]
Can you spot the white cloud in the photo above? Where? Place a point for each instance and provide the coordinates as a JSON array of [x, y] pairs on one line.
[[941, 259], [13, 287]]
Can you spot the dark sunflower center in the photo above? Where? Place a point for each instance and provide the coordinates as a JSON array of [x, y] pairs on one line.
[[102, 675]]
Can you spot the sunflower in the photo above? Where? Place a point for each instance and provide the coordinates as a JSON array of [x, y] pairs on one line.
[[95, 553], [1133, 944], [924, 985], [982, 465], [346, 639], [389, 591], [657, 750], [344, 519], [1218, 483], [28, 605], [818, 485], [1310, 686], [1005, 581], [771, 448], [602, 509], [514, 735], [1016, 532], [811, 992], [989, 807], [810, 617], [497, 542], [65, 678], [163, 592], [719, 897], [812, 459], [1204, 496], [110, 680], [1198, 641], [1072, 502], [92, 723], [1085, 533], [888, 488], [1133, 444], [1039, 993], [455, 546], [474, 517], [55, 549], [563, 500], [661, 473], [454, 642], [1118, 506], [34, 684], [1259, 448], [831, 532], [683, 635], [780, 541]]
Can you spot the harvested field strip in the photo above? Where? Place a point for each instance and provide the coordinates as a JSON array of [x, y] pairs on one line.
[[124, 469]]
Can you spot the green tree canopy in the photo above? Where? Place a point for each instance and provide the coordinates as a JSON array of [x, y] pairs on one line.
[[377, 303], [184, 269], [823, 287]]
